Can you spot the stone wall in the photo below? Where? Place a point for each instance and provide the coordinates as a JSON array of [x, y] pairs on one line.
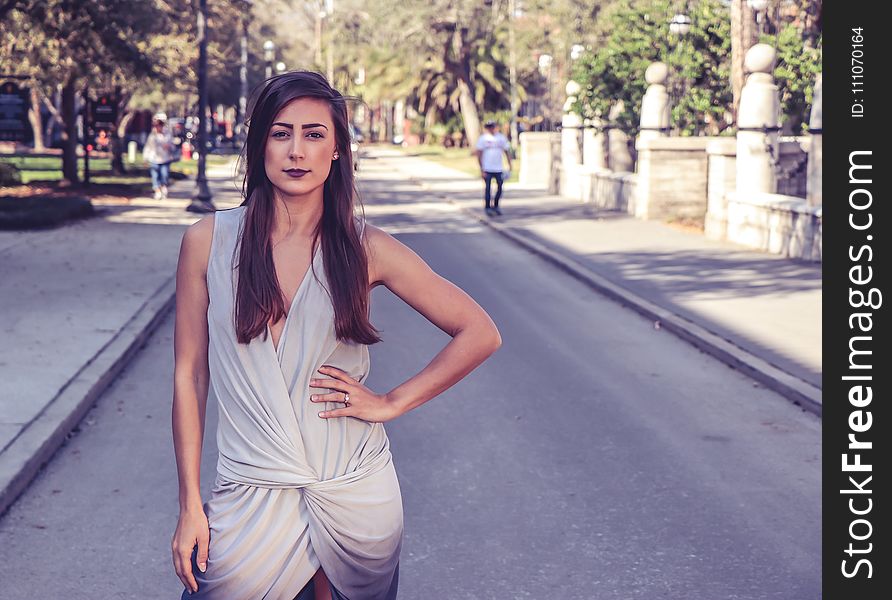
[[612, 191], [779, 224], [672, 177]]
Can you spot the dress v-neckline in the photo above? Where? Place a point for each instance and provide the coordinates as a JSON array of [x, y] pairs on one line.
[[297, 293]]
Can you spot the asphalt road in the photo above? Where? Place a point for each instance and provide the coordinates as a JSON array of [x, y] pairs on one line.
[[592, 457]]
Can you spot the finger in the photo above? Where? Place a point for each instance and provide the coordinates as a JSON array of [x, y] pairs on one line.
[[202, 558], [178, 570], [180, 561], [338, 412], [336, 373], [332, 384], [332, 397], [188, 576]]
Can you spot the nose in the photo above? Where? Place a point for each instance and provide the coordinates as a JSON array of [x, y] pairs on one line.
[[296, 150]]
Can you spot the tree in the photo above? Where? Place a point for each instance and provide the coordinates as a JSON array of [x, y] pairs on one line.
[[448, 55], [635, 34], [797, 68], [58, 46]]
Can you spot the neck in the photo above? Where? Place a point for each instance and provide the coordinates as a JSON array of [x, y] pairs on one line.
[[296, 215]]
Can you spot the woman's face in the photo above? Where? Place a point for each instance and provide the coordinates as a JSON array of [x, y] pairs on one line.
[[300, 147]]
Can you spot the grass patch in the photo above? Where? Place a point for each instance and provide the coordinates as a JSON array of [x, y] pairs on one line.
[[48, 169]]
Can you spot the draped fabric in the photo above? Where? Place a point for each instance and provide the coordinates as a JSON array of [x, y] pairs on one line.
[[293, 491]]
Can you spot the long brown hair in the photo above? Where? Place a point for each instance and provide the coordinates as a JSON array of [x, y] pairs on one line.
[[259, 298]]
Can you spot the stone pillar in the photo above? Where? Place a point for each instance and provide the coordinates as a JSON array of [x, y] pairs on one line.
[[816, 148], [571, 130], [655, 104], [757, 124], [721, 178], [593, 155], [619, 159], [536, 157]]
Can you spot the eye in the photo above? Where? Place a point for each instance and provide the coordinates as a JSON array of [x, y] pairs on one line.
[[318, 135], [279, 134]]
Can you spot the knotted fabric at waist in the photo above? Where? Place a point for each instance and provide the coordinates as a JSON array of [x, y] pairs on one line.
[[298, 476]]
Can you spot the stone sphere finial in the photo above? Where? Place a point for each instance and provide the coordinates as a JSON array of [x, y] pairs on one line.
[[656, 73], [573, 88], [760, 59]]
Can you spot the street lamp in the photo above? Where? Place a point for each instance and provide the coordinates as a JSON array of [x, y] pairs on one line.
[[680, 24], [545, 62], [514, 12], [269, 54], [280, 67], [760, 7], [201, 198], [329, 46], [319, 16]]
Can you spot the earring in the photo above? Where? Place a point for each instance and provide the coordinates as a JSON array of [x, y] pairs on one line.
[[335, 157]]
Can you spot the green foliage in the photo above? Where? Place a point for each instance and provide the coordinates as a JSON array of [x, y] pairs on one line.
[[797, 68], [636, 34]]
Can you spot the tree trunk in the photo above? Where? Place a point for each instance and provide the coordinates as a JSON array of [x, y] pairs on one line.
[[55, 108], [430, 119], [743, 36], [115, 142], [387, 117], [469, 116], [462, 71], [36, 120], [69, 133]]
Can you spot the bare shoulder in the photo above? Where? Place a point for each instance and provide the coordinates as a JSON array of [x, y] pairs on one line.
[[195, 249], [388, 256], [376, 238]]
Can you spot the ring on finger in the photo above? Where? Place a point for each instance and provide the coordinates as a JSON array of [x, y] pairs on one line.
[[347, 399]]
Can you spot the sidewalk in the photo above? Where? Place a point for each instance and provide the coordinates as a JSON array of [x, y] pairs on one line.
[[757, 312], [78, 301]]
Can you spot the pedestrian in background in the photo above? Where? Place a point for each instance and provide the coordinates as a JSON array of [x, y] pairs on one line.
[[272, 313], [159, 151], [491, 146]]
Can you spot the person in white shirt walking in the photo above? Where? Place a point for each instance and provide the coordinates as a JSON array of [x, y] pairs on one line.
[[159, 151], [491, 146]]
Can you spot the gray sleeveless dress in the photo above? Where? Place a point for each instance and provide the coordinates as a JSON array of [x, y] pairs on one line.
[[293, 491]]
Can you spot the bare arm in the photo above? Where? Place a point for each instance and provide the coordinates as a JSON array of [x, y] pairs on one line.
[[191, 379], [474, 335], [479, 154], [507, 151]]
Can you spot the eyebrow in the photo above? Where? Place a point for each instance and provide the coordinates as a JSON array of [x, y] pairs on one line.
[[306, 126]]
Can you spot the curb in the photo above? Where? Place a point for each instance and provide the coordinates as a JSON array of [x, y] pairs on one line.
[[794, 389], [39, 440]]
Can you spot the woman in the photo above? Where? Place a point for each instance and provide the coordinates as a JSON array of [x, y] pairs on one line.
[[273, 312], [159, 151]]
